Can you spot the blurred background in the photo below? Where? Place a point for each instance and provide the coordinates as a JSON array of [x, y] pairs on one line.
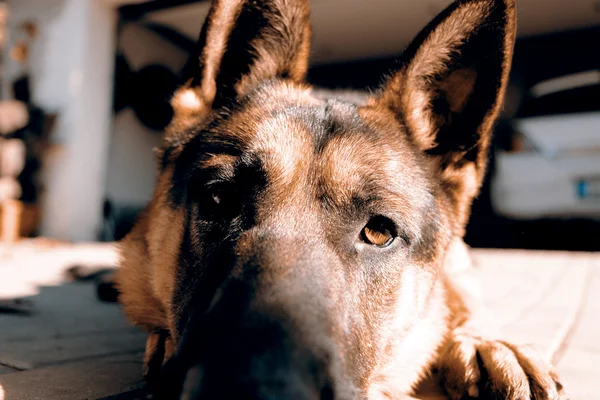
[[85, 86]]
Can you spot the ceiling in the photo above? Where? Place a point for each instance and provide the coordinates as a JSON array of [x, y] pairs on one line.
[[358, 29]]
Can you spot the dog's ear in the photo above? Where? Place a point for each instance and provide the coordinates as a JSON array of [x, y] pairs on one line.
[[449, 89], [242, 43]]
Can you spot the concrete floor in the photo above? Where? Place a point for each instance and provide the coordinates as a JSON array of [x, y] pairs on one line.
[[62, 343]]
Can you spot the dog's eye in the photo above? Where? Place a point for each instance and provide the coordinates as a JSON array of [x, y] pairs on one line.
[[221, 195], [219, 200], [216, 196], [379, 232]]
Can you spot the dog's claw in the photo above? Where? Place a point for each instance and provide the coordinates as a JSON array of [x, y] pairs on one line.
[[473, 391], [472, 367]]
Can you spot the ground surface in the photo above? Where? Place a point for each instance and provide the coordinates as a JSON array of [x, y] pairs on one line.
[[62, 343]]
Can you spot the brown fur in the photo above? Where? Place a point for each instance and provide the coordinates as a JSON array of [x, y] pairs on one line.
[[307, 174]]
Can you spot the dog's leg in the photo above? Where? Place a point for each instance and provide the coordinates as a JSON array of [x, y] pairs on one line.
[[473, 361], [154, 355], [159, 349]]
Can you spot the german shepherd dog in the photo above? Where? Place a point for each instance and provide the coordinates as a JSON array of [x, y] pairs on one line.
[[305, 247]]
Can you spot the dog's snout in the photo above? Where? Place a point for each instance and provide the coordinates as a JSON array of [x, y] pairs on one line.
[[247, 346], [262, 362], [197, 387]]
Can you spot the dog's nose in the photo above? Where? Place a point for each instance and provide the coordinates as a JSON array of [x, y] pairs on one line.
[[197, 386], [242, 353], [259, 358], [260, 338]]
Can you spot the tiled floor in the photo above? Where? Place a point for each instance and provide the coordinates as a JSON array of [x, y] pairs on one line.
[[65, 344]]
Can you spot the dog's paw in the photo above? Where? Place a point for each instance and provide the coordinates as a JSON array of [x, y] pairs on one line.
[[472, 367]]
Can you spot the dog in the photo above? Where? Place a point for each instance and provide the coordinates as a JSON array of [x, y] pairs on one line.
[[300, 246]]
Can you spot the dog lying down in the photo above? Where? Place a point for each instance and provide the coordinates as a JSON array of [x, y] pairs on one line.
[[298, 247]]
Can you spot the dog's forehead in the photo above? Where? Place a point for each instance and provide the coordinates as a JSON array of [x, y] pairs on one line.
[[289, 128], [303, 142], [297, 136]]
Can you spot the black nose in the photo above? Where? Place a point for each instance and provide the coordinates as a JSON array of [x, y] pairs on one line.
[[258, 341], [196, 386], [259, 359]]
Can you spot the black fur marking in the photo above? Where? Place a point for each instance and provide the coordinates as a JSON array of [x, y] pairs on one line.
[[187, 162], [460, 132], [240, 55], [196, 284]]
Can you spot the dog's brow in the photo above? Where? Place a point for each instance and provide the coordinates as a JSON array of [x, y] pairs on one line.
[[218, 161], [285, 145]]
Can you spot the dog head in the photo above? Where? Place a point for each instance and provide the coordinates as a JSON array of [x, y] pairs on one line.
[[294, 241]]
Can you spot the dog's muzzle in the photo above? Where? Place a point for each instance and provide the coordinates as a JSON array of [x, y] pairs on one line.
[[244, 349]]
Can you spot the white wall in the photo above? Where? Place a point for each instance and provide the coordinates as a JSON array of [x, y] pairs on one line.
[[132, 166], [72, 68]]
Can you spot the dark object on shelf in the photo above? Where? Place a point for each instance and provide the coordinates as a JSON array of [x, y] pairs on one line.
[[154, 86], [147, 91], [35, 136], [22, 148]]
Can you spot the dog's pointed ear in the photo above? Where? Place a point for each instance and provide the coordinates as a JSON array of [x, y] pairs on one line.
[[242, 43], [450, 87]]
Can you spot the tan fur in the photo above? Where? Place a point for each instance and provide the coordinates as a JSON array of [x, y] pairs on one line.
[[285, 161], [417, 344], [140, 303]]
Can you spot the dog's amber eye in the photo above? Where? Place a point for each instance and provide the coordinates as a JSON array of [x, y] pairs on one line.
[[379, 232]]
